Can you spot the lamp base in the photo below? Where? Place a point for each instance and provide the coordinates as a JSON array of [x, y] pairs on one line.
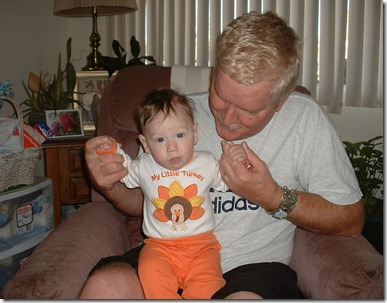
[[93, 62]]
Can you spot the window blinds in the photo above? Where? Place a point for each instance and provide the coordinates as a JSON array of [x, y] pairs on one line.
[[342, 52]]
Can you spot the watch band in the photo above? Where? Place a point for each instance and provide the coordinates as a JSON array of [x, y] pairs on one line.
[[287, 203]]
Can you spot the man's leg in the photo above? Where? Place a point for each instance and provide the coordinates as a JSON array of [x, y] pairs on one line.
[[243, 295], [114, 277], [113, 281]]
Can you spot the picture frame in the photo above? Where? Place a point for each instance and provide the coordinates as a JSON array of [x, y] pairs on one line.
[[66, 123], [89, 89]]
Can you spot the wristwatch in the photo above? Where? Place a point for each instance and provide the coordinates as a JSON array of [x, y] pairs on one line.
[[287, 204]]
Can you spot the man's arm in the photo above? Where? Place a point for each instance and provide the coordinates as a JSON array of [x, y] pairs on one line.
[[106, 171], [312, 212], [316, 214]]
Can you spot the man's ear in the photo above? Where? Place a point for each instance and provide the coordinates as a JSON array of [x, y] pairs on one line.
[[280, 104], [144, 144], [196, 134]]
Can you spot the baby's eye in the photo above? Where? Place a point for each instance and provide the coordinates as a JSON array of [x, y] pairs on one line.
[[181, 135], [159, 140]]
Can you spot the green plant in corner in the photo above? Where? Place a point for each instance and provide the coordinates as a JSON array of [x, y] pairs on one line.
[[367, 161], [58, 94], [111, 64]]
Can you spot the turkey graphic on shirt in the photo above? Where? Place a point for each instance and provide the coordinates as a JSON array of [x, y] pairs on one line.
[[178, 204]]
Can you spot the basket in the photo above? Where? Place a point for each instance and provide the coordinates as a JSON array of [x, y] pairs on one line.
[[18, 167]]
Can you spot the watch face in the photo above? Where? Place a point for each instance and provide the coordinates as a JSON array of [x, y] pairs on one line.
[[281, 214]]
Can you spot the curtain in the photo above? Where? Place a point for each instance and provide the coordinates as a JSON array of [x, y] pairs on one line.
[[342, 51]]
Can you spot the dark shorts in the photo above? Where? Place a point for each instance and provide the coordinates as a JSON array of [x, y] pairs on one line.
[[270, 280], [130, 257]]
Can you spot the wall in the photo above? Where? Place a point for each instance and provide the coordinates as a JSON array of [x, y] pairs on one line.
[[32, 37], [359, 124]]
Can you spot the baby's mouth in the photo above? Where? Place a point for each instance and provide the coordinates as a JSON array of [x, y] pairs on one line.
[[174, 160]]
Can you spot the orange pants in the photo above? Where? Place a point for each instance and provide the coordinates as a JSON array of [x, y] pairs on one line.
[[190, 263]]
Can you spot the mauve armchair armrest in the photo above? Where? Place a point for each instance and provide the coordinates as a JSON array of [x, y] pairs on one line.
[[333, 267], [59, 266]]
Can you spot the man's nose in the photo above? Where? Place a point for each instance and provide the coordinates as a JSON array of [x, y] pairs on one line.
[[229, 114]]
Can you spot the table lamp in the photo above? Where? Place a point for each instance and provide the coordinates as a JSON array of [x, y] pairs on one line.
[[94, 8]]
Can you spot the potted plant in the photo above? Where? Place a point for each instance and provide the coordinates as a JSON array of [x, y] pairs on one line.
[[367, 161], [111, 64], [56, 95]]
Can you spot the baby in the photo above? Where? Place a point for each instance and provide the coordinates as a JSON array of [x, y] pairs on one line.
[[181, 250]]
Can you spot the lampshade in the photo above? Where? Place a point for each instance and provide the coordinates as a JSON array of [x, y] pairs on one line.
[[94, 8], [83, 8]]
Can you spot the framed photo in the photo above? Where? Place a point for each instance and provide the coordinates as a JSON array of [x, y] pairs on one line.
[[89, 90], [65, 123]]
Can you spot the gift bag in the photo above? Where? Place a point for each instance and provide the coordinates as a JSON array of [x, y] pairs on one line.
[[18, 164]]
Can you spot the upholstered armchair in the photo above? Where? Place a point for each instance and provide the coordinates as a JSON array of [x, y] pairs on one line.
[[328, 267]]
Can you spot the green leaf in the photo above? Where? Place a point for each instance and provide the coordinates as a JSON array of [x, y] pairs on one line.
[[71, 78], [149, 58], [68, 48], [135, 61], [117, 49], [367, 160], [135, 47], [376, 139]]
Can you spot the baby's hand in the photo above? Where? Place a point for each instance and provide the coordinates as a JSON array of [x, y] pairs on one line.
[[236, 152], [107, 147]]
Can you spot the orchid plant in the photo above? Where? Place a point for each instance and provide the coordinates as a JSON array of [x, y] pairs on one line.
[[59, 94]]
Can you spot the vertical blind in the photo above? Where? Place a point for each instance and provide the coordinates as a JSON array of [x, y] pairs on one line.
[[342, 51]]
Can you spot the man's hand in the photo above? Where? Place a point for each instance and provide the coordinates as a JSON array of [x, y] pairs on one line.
[[109, 147], [255, 182], [105, 170]]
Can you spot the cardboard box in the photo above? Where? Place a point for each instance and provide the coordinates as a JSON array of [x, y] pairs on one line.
[[25, 213]]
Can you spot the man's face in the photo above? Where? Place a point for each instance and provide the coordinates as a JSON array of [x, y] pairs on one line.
[[240, 111]]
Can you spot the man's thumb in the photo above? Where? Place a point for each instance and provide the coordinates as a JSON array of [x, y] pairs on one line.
[[251, 155]]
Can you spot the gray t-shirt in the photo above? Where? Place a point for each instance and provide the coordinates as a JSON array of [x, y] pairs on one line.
[[303, 152]]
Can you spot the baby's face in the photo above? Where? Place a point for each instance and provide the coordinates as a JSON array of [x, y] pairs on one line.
[[170, 139]]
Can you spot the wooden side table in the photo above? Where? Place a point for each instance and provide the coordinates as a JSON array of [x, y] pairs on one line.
[[65, 165]]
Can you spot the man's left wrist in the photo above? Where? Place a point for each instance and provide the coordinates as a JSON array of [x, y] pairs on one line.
[[287, 203]]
